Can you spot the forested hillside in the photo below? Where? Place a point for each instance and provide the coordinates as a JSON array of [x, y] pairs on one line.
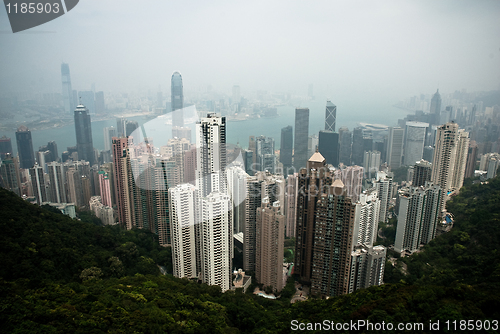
[[61, 275]]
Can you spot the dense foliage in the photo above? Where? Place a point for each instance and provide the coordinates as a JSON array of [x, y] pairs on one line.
[[64, 275]]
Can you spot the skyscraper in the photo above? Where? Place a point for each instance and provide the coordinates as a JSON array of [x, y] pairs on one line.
[[395, 147], [83, 129], [450, 157], [9, 174], [357, 146], [471, 159], [286, 148], [367, 267], [329, 146], [38, 184], [67, 92], [345, 146], [325, 221], [109, 133], [435, 109], [421, 173], [270, 237], [414, 142], [418, 217], [25, 147], [264, 149], [5, 146], [57, 177], [177, 100], [366, 219], [301, 137], [330, 116]]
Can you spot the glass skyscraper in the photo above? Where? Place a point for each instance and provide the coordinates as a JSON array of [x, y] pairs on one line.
[[25, 147], [67, 92], [177, 98], [83, 130], [301, 137]]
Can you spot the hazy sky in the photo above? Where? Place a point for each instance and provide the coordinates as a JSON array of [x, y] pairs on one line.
[[357, 48]]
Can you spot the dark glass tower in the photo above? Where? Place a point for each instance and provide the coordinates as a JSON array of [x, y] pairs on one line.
[[435, 109], [83, 129], [328, 146], [25, 147], [301, 137], [345, 147], [67, 92], [177, 98], [330, 116], [357, 147], [5, 147], [286, 148]]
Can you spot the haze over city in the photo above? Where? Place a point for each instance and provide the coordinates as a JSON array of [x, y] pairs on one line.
[[349, 49]]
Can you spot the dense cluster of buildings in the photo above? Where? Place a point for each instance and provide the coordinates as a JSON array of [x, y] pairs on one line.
[[202, 198]]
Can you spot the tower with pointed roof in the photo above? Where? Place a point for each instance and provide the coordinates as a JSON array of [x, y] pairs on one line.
[[324, 235]]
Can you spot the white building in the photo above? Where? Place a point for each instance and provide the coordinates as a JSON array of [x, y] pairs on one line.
[[182, 222], [366, 218]]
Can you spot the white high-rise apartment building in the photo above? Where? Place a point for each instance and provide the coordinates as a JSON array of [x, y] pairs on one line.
[[418, 216], [182, 222], [384, 191], [366, 218], [449, 161], [216, 240], [237, 190]]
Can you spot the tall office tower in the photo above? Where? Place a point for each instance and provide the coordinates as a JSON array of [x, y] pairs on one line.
[[301, 137], [67, 92], [352, 180], [383, 184], [450, 154], [74, 187], [216, 240], [291, 193], [460, 159], [121, 123], [177, 100], [328, 146], [422, 172], [237, 190], [286, 148], [57, 177], [109, 133], [130, 127], [264, 149], [262, 185], [87, 99], [395, 147], [190, 165], [470, 166], [25, 147], [414, 142], [270, 239], [367, 267], [236, 98], [435, 110], [182, 218], [248, 160], [366, 218], [83, 129], [418, 216], [52, 147], [211, 155], [99, 102], [38, 183], [9, 173], [371, 162], [325, 222], [345, 146], [105, 188], [5, 147], [120, 156], [357, 146], [330, 116]]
